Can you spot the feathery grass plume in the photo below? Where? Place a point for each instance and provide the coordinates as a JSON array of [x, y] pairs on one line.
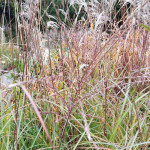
[[98, 13], [142, 7]]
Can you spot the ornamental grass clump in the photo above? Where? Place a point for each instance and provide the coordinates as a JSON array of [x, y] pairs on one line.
[[80, 84]]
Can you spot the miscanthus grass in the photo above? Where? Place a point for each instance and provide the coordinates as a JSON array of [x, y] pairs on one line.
[[85, 85]]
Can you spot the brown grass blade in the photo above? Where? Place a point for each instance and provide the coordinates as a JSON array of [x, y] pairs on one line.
[[37, 112]]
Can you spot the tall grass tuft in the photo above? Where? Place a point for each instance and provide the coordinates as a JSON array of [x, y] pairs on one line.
[[83, 84]]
